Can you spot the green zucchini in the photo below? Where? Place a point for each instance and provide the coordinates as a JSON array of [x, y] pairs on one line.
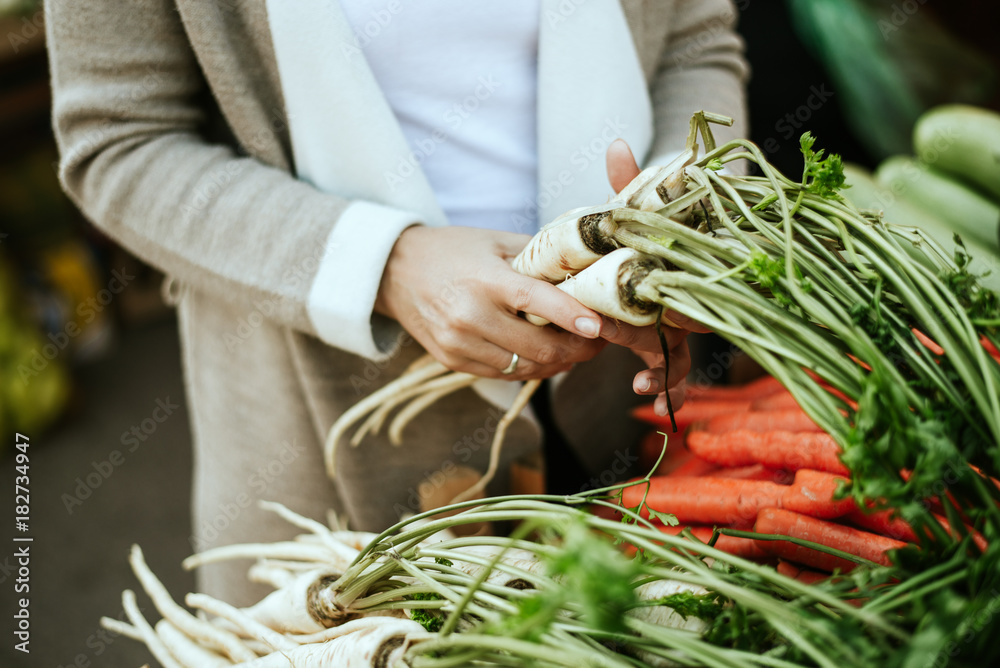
[[964, 210], [866, 193], [963, 141]]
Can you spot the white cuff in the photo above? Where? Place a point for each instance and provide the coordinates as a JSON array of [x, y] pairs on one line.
[[342, 296]]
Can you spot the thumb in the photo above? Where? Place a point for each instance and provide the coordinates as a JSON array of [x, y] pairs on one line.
[[621, 164]]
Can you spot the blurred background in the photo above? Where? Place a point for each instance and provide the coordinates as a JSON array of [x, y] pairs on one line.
[[89, 358]]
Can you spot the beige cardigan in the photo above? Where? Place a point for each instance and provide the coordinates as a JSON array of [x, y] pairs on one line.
[[174, 141]]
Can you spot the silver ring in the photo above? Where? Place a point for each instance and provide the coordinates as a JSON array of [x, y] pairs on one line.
[[512, 367]]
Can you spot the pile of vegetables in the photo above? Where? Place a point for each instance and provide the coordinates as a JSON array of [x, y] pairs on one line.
[[951, 185], [878, 335], [417, 596], [750, 458]]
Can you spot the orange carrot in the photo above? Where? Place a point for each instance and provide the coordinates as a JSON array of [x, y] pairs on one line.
[[694, 467], [803, 575], [692, 411], [755, 389], [762, 421], [776, 449], [888, 523], [848, 539], [812, 494], [990, 348], [776, 402], [928, 342], [753, 472], [652, 446], [883, 522], [734, 545], [706, 500]]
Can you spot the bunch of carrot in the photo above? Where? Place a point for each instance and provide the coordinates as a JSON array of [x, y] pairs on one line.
[[750, 462]]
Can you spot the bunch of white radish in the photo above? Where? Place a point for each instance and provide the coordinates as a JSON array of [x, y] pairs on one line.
[[415, 596], [590, 253]]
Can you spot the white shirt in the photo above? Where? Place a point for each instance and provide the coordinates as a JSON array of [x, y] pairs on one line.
[[461, 79]]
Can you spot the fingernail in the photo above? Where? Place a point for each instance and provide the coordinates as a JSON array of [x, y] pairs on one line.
[[588, 327]]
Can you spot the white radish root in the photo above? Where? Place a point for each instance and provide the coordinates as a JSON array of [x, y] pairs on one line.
[[663, 615], [513, 569], [325, 536], [265, 572], [298, 607], [420, 371], [153, 642], [378, 645], [189, 653], [241, 620], [520, 401], [319, 554], [570, 243], [448, 384], [608, 287], [215, 638], [668, 184]]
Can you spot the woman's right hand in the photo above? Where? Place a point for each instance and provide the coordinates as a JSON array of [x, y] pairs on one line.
[[454, 291]]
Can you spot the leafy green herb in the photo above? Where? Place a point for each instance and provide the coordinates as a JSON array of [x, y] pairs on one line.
[[597, 577], [823, 177], [429, 619], [666, 518], [688, 604]]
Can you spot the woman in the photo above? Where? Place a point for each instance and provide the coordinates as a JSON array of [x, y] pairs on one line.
[[273, 159]]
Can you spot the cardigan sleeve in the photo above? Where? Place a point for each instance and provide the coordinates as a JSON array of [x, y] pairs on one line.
[[701, 67], [129, 118]]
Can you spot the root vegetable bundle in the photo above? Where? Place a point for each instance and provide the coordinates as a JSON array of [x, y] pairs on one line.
[[875, 330], [417, 597]]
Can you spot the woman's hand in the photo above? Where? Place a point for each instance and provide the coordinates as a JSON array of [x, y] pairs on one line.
[[454, 291], [654, 380], [644, 341]]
